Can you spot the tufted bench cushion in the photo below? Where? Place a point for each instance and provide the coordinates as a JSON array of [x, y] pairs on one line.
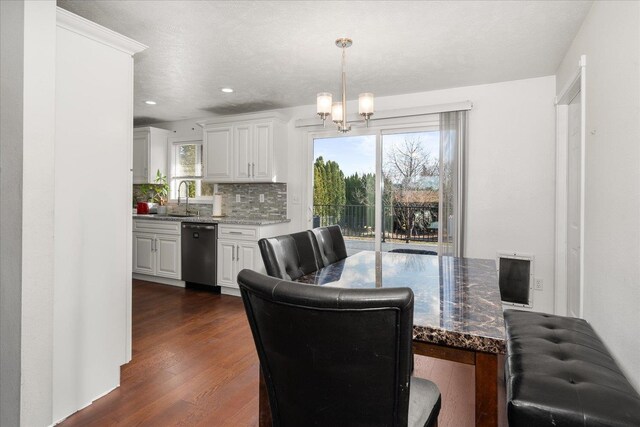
[[559, 373]]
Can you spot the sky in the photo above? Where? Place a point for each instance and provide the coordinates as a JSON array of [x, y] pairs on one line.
[[358, 153]]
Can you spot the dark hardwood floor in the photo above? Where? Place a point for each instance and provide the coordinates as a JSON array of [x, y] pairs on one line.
[[194, 364]]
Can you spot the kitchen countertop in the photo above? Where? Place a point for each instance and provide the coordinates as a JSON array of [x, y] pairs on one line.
[[211, 220]]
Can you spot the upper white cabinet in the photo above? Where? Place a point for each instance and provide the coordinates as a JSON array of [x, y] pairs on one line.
[[149, 154], [249, 148], [218, 153]]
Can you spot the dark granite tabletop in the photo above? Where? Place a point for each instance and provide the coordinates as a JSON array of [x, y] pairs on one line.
[[457, 300]]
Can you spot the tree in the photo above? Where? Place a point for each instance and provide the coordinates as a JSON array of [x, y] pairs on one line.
[[360, 199], [328, 189], [408, 167], [319, 183]]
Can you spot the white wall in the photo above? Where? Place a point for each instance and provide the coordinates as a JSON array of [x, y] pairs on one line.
[[28, 43], [94, 92], [11, 140], [511, 178], [511, 169], [610, 38], [61, 150]]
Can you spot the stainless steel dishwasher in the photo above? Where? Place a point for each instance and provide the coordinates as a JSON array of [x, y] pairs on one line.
[[199, 241]]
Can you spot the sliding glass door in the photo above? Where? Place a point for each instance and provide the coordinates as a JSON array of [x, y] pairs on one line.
[[382, 188]]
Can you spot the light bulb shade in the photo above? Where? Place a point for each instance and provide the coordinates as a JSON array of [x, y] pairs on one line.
[[365, 104], [336, 112], [323, 103]]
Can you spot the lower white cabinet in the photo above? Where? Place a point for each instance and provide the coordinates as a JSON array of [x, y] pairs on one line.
[[156, 248], [234, 256], [238, 249]]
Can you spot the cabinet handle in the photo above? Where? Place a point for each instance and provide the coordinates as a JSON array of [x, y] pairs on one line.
[[233, 254], [235, 232], [248, 169], [237, 253], [153, 245], [253, 168]]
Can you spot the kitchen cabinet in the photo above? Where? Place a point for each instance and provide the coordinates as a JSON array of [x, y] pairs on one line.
[[149, 154], [238, 249], [233, 257], [218, 153], [250, 148], [253, 152], [156, 248]]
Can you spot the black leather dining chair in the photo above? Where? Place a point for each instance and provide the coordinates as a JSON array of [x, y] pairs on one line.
[[330, 243], [337, 357], [290, 256]]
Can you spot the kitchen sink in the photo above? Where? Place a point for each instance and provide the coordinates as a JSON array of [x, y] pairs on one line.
[[182, 215]]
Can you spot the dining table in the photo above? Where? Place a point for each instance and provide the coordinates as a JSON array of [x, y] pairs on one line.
[[457, 314]]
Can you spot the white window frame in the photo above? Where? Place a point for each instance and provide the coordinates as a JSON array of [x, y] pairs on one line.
[[174, 142]]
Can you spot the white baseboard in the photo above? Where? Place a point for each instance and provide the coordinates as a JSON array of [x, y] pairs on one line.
[[157, 279], [179, 283], [230, 291]]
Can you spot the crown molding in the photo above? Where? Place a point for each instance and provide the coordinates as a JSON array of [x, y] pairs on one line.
[[264, 115], [86, 28]]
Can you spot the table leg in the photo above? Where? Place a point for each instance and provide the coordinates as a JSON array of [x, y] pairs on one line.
[[486, 389], [264, 414]]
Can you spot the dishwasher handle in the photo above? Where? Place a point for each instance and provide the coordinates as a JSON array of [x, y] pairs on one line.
[[199, 227]]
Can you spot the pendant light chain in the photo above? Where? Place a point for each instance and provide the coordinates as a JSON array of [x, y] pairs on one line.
[[344, 88]]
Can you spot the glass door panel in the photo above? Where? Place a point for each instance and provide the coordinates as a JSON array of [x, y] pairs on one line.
[[403, 215], [344, 188], [411, 191]]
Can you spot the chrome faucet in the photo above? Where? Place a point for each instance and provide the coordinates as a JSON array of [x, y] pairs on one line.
[[186, 187]]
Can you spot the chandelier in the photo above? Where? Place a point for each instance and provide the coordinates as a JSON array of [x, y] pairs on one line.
[[338, 110]]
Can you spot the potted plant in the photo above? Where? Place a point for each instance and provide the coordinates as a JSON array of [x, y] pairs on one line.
[[158, 192]]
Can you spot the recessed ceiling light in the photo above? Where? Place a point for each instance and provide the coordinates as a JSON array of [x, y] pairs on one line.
[[150, 102], [226, 90]]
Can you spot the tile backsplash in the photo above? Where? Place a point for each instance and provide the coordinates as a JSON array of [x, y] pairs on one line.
[[249, 206]]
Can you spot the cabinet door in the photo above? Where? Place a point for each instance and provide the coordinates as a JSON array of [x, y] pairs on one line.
[[226, 263], [143, 253], [249, 257], [262, 161], [218, 154], [168, 256], [157, 153], [242, 150], [140, 158]]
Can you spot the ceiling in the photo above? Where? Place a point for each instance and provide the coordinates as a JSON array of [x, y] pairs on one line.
[[278, 54]]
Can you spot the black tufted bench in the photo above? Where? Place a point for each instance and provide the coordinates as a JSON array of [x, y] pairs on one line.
[[559, 373]]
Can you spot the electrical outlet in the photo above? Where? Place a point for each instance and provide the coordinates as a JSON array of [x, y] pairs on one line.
[[237, 198], [262, 198], [538, 284]]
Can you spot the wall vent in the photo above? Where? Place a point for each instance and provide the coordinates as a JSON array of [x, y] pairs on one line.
[[516, 278]]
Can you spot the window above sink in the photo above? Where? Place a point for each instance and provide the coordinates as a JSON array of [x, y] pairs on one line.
[[186, 164]]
